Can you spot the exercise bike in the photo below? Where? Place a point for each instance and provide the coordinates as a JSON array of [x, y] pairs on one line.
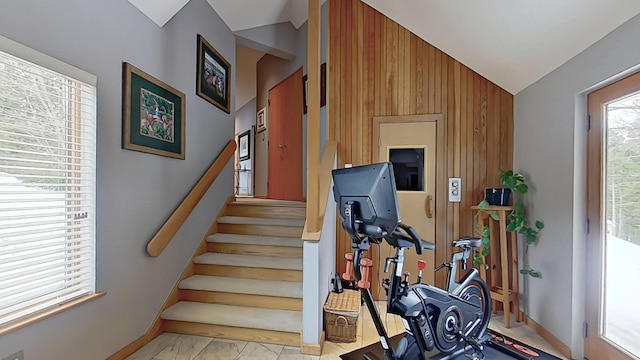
[[440, 324]]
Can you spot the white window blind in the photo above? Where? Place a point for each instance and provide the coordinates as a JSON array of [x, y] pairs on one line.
[[47, 182]]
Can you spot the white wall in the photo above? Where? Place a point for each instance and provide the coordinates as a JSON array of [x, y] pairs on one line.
[[136, 191], [280, 40], [549, 148], [246, 60], [245, 120], [319, 264]]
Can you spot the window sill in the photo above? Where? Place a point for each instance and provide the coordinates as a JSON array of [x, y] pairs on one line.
[[47, 313]]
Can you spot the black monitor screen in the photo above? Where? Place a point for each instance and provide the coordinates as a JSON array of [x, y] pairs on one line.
[[373, 188]]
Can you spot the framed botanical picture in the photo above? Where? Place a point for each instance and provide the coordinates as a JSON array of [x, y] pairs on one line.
[[213, 76], [244, 146], [261, 120], [153, 115]]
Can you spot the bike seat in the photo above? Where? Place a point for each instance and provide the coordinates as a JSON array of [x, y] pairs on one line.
[[468, 242]]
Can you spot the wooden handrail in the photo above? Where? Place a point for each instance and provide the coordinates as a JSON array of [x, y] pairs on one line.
[[326, 165], [324, 180], [162, 238]]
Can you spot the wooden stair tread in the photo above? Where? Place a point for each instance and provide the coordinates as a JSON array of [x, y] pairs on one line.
[[240, 220], [251, 261], [287, 289], [269, 202], [254, 240], [235, 316]]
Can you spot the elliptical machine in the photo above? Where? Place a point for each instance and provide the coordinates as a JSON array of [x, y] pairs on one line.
[[452, 321]]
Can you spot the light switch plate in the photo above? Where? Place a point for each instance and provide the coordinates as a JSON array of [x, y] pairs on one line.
[[455, 189]]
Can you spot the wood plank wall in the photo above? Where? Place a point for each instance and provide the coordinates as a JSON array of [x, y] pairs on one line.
[[378, 68]]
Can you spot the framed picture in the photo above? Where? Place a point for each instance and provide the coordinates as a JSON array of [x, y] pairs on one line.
[[244, 146], [323, 88], [214, 71], [261, 120], [153, 115]]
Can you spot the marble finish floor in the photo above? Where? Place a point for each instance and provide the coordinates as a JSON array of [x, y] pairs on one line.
[[169, 346]]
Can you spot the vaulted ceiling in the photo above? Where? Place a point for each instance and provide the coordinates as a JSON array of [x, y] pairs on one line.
[[513, 43]]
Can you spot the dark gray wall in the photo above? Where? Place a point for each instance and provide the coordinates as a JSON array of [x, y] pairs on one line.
[[550, 149], [136, 191]]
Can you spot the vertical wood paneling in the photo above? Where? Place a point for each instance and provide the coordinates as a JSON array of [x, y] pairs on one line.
[[482, 135], [408, 84], [359, 103], [344, 90], [353, 36], [431, 75], [333, 68], [493, 136], [416, 73], [377, 68], [468, 176], [369, 74]]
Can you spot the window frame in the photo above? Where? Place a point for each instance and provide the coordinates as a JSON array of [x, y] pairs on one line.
[[37, 58]]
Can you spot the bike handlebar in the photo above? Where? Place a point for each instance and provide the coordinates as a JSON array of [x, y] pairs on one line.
[[414, 238]]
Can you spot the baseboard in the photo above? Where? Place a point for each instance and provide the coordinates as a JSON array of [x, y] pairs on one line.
[[151, 334], [313, 349], [545, 334]]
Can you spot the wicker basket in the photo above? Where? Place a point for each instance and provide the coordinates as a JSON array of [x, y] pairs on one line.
[[341, 316]]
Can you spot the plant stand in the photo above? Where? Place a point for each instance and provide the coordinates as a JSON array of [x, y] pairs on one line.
[[507, 291]]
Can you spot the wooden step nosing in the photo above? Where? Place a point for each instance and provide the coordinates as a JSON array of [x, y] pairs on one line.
[[284, 289], [249, 266], [249, 261], [256, 301], [235, 316], [246, 220], [258, 240], [244, 272], [270, 203], [227, 332]]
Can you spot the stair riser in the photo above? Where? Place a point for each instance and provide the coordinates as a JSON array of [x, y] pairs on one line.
[[232, 333], [260, 301], [248, 273], [279, 212], [243, 249], [264, 230]]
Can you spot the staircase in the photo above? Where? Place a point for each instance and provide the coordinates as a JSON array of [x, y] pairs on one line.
[[248, 285]]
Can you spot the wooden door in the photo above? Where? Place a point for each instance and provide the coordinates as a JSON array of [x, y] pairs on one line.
[[285, 139], [613, 241], [409, 142]]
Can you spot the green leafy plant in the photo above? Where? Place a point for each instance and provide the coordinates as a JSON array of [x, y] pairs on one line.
[[516, 219]]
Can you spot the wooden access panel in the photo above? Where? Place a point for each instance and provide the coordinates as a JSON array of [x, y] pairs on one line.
[[378, 68]]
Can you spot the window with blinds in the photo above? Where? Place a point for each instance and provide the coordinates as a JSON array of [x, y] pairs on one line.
[[47, 182]]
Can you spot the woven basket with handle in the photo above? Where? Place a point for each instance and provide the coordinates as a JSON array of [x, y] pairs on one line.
[[341, 316]]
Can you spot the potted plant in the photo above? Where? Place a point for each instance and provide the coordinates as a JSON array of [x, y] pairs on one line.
[[517, 220]]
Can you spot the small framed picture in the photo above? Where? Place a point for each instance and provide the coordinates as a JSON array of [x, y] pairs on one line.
[[261, 120], [323, 88], [153, 115], [213, 76], [244, 146]]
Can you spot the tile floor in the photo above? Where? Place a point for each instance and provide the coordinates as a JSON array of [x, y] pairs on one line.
[[170, 346]]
